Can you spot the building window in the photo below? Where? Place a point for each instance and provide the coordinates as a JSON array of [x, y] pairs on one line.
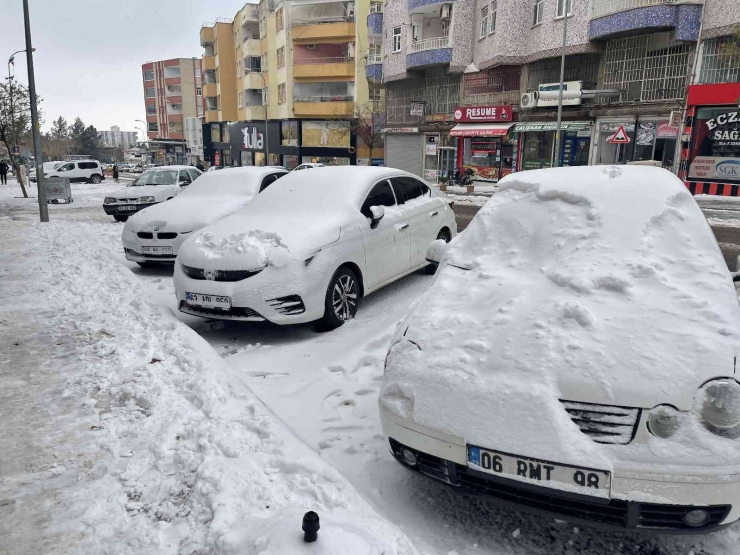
[[266, 96], [720, 61], [289, 133], [539, 8], [375, 54], [376, 7], [198, 91], [197, 72], [210, 77], [240, 99], [484, 21], [561, 7], [281, 56], [253, 63], [263, 27], [215, 132], [211, 103], [281, 93], [279, 20], [263, 59], [492, 17], [151, 109], [578, 67], [396, 39], [150, 92], [149, 75], [238, 69], [376, 94], [499, 85], [152, 126]]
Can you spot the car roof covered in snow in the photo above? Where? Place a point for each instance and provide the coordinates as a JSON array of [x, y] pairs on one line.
[[225, 183]]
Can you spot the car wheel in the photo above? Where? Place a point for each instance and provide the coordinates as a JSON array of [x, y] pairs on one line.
[[95, 179], [342, 298], [432, 268], [147, 264], [120, 218]]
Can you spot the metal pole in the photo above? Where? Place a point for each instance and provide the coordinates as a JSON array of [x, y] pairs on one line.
[[562, 78], [267, 130], [43, 208]]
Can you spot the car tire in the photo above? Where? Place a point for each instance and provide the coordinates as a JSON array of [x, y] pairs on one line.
[[342, 299], [431, 269], [147, 264], [95, 179], [120, 218]]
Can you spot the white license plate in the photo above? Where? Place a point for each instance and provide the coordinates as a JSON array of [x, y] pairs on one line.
[[208, 301], [586, 481], [127, 208], [156, 250]]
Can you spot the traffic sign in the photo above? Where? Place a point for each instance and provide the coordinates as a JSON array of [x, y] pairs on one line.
[[16, 150], [620, 137]]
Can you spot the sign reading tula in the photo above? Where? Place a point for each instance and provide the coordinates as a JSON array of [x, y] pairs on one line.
[[253, 138], [483, 113]]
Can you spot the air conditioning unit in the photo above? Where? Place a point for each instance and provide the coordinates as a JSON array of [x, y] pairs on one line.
[[310, 47], [528, 101], [446, 11]]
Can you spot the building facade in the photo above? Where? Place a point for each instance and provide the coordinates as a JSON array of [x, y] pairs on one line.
[[173, 91], [299, 77], [119, 139], [474, 83]]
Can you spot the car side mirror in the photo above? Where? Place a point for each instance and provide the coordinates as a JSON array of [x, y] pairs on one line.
[[436, 251], [184, 183], [378, 213]]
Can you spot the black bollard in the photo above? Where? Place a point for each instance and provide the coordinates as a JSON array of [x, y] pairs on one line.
[[310, 527]]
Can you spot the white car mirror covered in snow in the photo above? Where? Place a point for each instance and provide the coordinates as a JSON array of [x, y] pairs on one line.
[[378, 213]]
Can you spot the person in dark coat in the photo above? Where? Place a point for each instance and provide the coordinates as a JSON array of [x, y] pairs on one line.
[[3, 172], [199, 166], [115, 173]]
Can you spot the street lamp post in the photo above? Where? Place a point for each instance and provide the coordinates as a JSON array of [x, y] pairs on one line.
[[267, 130], [558, 132]]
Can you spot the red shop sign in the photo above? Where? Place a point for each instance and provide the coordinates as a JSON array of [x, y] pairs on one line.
[[483, 113]]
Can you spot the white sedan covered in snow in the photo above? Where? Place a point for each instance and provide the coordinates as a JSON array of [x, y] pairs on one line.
[[576, 356], [153, 186], [155, 234], [311, 246]]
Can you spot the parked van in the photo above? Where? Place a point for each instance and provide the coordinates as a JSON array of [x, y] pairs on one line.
[[89, 171]]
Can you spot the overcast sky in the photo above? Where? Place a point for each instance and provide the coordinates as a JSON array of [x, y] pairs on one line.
[[89, 52]]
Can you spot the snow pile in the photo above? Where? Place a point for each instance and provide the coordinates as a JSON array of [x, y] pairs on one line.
[[253, 250], [182, 458], [601, 285]]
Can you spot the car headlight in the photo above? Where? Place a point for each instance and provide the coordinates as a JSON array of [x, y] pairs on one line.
[[720, 407], [664, 421], [146, 199], [109, 200]]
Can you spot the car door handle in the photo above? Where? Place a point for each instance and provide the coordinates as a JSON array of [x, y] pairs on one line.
[[402, 227], [435, 213]]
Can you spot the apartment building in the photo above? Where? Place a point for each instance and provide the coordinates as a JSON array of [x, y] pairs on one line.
[[299, 80], [173, 91], [119, 139], [474, 83]]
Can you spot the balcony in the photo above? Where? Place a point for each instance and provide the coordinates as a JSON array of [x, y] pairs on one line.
[[322, 33], [615, 18], [209, 89], [253, 81], [374, 69], [375, 23], [250, 47], [417, 6], [208, 62], [324, 69], [253, 113], [429, 52], [211, 116], [325, 107], [207, 35]]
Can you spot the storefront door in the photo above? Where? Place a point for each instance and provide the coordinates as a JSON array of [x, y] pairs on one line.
[[447, 159]]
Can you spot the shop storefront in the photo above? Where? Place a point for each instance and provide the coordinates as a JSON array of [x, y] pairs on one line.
[[484, 141], [711, 140], [644, 140], [403, 148], [536, 144]]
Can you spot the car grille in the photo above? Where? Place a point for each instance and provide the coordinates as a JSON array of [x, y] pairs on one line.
[[166, 235], [290, 305], [145, 235], [120, 200], [614, 512], [604, 423], [218, 275], [234, 311]]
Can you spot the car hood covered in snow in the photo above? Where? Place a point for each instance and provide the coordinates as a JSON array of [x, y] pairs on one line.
[[159, 192], [184, 213], [599, 285]]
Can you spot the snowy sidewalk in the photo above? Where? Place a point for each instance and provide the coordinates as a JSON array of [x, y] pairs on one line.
[[124, 432]]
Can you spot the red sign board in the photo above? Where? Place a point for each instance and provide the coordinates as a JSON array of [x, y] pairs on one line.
[[217, 158], [474, 114], [715, 94]]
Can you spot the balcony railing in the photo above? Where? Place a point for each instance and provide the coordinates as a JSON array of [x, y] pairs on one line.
[[335, 60], [374, 59], [322, 21], [349, 98], [606, 7], [431, 44]]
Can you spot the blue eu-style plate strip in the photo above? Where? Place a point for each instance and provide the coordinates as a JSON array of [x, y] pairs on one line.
[[473, 455]]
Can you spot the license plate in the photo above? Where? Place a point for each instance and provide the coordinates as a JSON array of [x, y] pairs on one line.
[[156, 250], [586, 481], [208, 301], [127, 208]]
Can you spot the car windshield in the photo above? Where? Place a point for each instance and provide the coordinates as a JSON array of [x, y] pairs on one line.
[[156, 177]]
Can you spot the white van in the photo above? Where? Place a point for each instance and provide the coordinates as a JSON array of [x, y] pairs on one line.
[[89, 171]]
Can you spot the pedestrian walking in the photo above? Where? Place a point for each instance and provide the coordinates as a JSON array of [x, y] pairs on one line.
[[115, 173], [199, 166], [3, 172]]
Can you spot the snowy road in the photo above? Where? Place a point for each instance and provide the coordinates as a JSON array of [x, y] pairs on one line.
[[324, 388]]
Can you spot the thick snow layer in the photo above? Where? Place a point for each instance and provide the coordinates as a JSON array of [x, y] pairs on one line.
[[253, 251], [161, 449], [599, 284]]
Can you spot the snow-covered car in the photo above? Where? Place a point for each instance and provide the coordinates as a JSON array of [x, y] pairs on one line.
[[307, 166], [153, 186], [576, 356], [311, 246], [155, 234], [47, 167]]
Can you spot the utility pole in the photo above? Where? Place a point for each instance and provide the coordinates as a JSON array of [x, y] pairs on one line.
[[267, 130], [562, 78], [43, 208]]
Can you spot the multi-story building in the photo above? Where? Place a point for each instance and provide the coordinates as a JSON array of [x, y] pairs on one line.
[[299, 78], [119, 139], [173, 91], [474, 83], [194, 140]]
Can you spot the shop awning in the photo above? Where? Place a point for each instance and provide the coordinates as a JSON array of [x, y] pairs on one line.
[[551, 125], [480, 129]]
